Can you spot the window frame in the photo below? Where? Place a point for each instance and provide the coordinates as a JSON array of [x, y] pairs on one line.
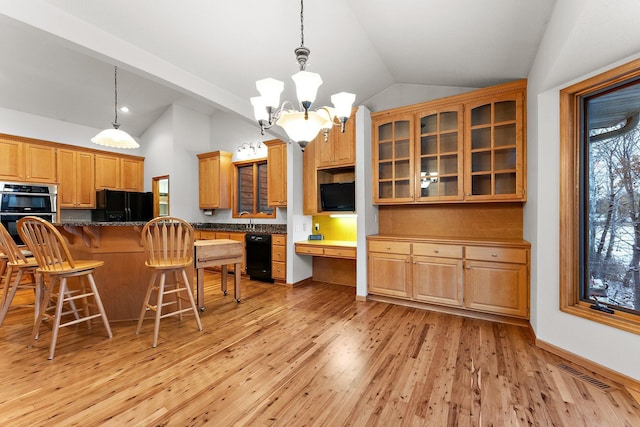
[[570, 196], [235, 196]]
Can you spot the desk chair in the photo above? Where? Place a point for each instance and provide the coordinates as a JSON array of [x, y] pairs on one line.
[[16, 265], [168, 245], [56, 265]]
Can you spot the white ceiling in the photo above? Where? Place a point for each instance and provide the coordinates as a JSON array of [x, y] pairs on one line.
[[57, 56]]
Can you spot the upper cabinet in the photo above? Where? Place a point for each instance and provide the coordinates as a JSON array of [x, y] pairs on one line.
[[469, 147], [119, 173], [340, 147], [76, 189], [215, 176], [276, 173], [27, 161]]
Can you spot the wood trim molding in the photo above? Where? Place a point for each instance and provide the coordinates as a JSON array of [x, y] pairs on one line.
[[594, 367], [570, 142]]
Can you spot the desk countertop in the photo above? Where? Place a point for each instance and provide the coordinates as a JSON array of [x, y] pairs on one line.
[[339, 243]]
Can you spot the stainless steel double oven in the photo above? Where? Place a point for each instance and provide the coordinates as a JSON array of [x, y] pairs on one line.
[[21, 199]]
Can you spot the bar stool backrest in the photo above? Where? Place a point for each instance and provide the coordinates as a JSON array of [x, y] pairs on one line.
[[9, 248], [46, 243], [168, 241]]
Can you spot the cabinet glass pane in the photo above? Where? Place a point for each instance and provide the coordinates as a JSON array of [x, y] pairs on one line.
[[505, 159], [402, 169], [385, 190], [428, 165], [449, 164], [448, 121], [385, 170], [505, 135], [481, 162], [402, 129], [385, 151], [402, 148], [429, 145], [430, 191], [448, 186], [481, 184], [505, 183], [403, 189], [505, 110], [385, 131], [480, 138], [481, 115], [449, 142], [429, 124]]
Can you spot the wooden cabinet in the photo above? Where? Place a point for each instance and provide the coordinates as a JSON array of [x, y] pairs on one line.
[[468, 147], [327, 249], [437, 273], [488, 278], [310, 200], [389, 268], [340, 147], [497, 280], [279, 257], [214, 180], [276, 173], [495, 132], [26, 161], [76, 177], [119, 173]]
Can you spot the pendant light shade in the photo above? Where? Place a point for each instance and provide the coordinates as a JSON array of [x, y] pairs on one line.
[[115, 137]]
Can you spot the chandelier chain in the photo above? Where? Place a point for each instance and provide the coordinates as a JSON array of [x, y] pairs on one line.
[[301, 23]]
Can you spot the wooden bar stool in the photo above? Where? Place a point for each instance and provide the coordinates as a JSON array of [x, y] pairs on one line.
[[16, 265], [168, 245], [56, 265]]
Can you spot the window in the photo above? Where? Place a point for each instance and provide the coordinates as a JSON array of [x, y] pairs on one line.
[[600, 198], [250, 193]]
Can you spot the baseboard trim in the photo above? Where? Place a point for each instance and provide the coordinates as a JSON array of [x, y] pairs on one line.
[[627, 382]]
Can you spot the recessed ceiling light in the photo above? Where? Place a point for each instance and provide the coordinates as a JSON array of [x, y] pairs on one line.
[[124, 109]]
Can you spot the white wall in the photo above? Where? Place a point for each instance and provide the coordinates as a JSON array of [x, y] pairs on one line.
[[583, 38]]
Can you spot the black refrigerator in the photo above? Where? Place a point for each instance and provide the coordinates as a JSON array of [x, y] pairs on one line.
[[120, 206]]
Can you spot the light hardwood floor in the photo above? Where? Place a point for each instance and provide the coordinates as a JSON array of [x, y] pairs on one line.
[[305, 356]]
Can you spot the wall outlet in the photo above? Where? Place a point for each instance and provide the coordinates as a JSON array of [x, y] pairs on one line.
[[316, 226]]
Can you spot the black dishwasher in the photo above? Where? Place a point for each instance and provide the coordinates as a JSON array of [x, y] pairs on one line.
[[258, 247]]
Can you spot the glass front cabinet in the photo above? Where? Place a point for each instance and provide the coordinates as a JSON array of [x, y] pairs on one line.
[[465, 148]]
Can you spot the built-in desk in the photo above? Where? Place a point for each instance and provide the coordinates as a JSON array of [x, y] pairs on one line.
[[334, 261]]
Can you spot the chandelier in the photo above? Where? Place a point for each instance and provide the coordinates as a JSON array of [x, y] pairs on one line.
[[300, 126], [115, 137]]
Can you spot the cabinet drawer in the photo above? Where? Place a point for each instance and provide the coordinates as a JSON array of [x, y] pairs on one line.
[[278, 253], [278, 270], [340, 252], [207, 235], [222, 235], [514, 255], [238, 237], [278, 239], [308, 250], [389, 247], [437, 250]]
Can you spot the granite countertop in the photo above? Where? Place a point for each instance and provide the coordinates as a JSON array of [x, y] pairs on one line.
[[242, 228]]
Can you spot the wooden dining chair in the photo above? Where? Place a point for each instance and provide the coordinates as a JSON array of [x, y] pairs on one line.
[[56, 265], [168, 245], [16, 265]]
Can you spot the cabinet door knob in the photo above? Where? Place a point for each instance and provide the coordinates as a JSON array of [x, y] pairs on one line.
[[437, 251], [495, 255]]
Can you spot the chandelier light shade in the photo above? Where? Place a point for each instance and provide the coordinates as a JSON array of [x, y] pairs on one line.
[[300, 126], [115, 137]]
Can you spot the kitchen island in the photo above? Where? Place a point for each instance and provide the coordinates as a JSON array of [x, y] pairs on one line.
[[123, 280]]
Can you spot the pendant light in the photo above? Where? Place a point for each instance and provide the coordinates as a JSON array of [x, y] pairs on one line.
[[115, 137]]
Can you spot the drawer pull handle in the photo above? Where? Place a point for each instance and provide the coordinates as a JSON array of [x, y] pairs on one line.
[[437, 251], [495, 255]]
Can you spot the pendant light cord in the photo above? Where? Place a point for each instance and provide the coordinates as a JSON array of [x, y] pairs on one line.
[[115, 85]]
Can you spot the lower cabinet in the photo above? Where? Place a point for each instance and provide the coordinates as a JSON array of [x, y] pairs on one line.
[[485, 278], [279, 257]]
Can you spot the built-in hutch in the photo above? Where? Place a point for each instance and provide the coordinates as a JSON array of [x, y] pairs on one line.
[[449, 177]]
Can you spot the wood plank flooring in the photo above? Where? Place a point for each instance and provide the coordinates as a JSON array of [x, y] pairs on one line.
[[308, 356]]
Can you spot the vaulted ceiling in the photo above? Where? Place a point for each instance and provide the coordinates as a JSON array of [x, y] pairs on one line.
[[57, 56]]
